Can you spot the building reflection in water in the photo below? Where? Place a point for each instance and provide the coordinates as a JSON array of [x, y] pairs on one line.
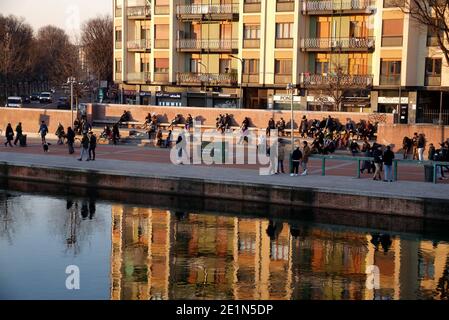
[[160, 255]]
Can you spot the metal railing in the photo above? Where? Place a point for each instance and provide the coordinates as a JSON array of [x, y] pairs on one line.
[[138, 11], [208, 78], [339, 43], [208, 44], [394, 41], [252, 7], [435, 164], [344, 80], [139, 76], [284, 43], [250, 78], [282, 78], [200, 9], [285, 6], [394, 79], [432, 80], [251, 43], [319, 5], [140, 44], [432, 116]]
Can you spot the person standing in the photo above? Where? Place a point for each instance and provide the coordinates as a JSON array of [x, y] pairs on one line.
[[19, 133], [71, 139], [296, 159], [406, 146], [366, 149], [377, 154], [388, 158], [84, 148], [115, 134], [304, 127], [60, 134], [432, 152], [415, 146], [169, 139], [43, 130], [9, 134], [421, 146], [92, 146], [306, 152], [281, 158]]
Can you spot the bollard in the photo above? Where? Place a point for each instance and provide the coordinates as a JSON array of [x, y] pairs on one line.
[[395, 170], [323, 167]]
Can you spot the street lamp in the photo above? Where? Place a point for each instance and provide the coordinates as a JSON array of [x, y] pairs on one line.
[[241, 79], [290, 88], [205, 83], [71, 80]]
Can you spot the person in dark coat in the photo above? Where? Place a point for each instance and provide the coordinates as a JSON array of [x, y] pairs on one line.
[[296, 158], [19, 133], [9, 133], [115, 134], [84, 147], [71, 139], [388, 158], [92, 145]]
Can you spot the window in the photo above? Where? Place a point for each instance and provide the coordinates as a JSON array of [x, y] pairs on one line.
[[251, 31], [118, 35], [225, 65], [433, 66], [392, 30], [145, 64], [161, 31], [284, 30], [283, 66], [358, 63], [226, 31], [145, 33], [161, 65], [358, 29], [321, 67], [390, 72], [195, 65], [118, 66], [433, 33], [251, 66], [394, 3]]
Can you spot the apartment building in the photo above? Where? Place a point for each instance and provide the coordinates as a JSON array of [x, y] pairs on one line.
[[348, 55]]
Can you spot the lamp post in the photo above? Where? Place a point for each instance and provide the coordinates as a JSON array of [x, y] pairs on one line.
[[71, 80], [241, 79], [290, 88], [205, 83]]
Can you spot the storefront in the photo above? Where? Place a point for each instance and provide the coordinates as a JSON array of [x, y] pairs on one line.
[[165, 99], [129, 96], [283, 102], [321, 103], [226, 101], [145, 98]]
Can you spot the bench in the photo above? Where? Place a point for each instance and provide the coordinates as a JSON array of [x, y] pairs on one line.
[[165, 126], [127, 124]]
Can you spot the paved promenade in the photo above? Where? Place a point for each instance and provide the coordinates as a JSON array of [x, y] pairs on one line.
[[148, 162]]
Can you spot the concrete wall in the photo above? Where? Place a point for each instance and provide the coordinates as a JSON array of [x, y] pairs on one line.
[[31, 119], [394, 134], [259, 118]]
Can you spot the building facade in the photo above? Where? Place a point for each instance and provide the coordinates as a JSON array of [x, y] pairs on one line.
[[348, 55]]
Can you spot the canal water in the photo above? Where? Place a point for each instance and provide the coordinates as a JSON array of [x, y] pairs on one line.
[[126, 251]]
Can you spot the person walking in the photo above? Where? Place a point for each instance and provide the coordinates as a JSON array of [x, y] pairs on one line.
[[71, 139], [421, 146], [92, 145], [43, 130], [406, 146], [60, 134], [9, 134], [415, 146], [19, 133], [306, 152], [377, 154], [84, 148], [366, 149], [304, 127], [387, 159], [281, 157], [169, 139], [115, 134], [296, 159]]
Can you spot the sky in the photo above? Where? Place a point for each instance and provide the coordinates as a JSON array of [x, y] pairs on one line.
[[66, 14]]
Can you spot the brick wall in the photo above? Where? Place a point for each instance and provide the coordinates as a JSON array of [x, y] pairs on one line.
[[258, 118]]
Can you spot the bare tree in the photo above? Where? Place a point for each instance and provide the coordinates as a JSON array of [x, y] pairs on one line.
[[96, 41], [433, 15]]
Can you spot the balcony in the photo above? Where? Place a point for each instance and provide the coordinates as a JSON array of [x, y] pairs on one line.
[[285, 6], [141, 12], [282, 79], [139, 77], [161, 10], [209, 12], [390, 80], [343, 44], [118, 12], [252, 7], [432, 80], [161, 44], [201, 45], [284, 43], [118, 45], [251, 43], [251, 78], [161, 77], [139, 45], [319, 7], [118, 76], [210, 79], [334, 81], [392, 41]]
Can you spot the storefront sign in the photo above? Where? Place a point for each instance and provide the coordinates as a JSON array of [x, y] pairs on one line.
[[286, 98], [392, 100], [168, 95]]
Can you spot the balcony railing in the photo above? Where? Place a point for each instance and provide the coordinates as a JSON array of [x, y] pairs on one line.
[[392, 41], [118, 76], [282, 78], [285, 6], [190, 78], [141, 44], [207, 44], [252, 7], [251, 43], [250, 78], [432, 41], [161, 43], [207, 9], [316, 44], [394, 79], [139, 77], [118, 45], [320, 6], [118, 12], [161, 10], [432, 80], [336, 81], [142, 11], [161, 77], [284, 43]]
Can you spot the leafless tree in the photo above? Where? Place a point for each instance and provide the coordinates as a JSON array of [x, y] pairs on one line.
[[96, 41]]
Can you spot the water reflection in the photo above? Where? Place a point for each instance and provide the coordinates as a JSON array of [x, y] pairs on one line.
[[130, 252]]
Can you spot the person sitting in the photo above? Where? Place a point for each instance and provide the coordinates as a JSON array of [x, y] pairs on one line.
[[159, 138], [107, 133], [60, 134], [126, 117], [354, 147], [189, 122], [169, 139], [77, 126], [176, 121], [281, 127], [271, 126]]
